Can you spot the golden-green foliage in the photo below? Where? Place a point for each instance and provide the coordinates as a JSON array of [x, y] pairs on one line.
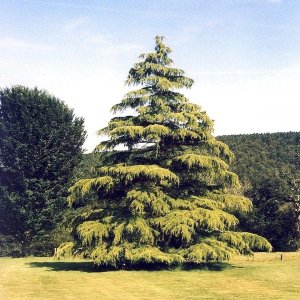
[[129, 254], [84, 186], [245, 241], [209, 250], [232, 179], [139, 231], [233, 202], [221, 149], [112, 257], [186, 134], [151, 255], [187, 224], [201, 161], [118, 233], [65, 250], [156, 130], [140, 172], [155, 202], [91, 232], [130, 131], [170, 196], [206, 203]]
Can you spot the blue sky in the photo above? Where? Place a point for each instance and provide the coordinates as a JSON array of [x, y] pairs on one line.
[[244, 55]]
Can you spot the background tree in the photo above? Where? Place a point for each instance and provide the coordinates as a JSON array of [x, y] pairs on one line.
[[169, 198], [40, 145]]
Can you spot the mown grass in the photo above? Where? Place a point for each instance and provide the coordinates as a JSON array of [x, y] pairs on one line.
[[263, 277]]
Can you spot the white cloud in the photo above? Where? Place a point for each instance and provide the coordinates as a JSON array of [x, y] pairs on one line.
[[111, 49], [190, 32], [275, 1], [246, 72], [258, 2], [104, 44], [61, 3], [96, 39], [74, 24], [14, 43]]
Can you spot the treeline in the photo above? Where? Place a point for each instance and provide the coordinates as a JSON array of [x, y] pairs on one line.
[[268, 166]]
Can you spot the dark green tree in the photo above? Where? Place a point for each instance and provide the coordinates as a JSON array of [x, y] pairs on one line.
[[40, 145], [168, 197]]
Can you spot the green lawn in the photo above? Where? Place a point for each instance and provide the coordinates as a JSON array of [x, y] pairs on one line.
[[264, 277]]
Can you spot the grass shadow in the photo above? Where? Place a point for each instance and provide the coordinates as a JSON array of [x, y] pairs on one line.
[[90, 267], [87, 267], [214, 266]]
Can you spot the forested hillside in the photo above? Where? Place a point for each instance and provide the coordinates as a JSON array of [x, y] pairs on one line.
[[263, 155], [268, 166]]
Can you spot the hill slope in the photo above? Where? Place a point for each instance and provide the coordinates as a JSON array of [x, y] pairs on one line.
[[268, 165]]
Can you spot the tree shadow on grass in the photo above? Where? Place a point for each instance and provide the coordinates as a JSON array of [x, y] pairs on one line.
[[90, 267], [87, 267], [214, 266]]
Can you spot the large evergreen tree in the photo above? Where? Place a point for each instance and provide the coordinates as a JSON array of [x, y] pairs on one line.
[[168, 196], [40, 145]]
